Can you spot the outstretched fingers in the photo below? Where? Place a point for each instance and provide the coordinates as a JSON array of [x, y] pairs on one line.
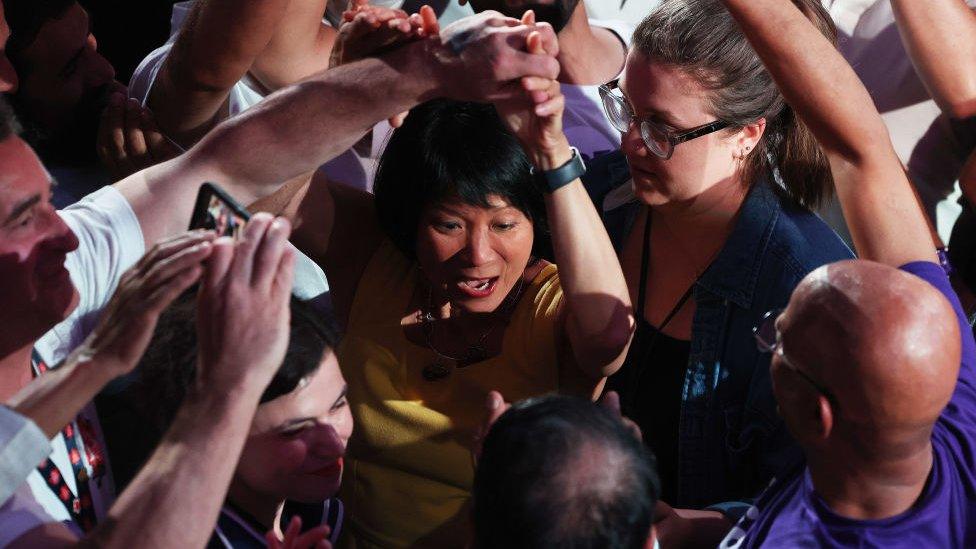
[[269, 254]]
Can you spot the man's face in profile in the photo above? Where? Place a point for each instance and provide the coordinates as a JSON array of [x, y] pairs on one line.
[[554, 12], [64, 86], [34, 242]]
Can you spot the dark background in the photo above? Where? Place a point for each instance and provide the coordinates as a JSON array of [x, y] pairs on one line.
[[126, 31]]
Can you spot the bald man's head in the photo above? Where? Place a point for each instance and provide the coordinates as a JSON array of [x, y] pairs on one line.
[[882, 342]]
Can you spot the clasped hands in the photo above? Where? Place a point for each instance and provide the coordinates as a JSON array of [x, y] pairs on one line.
[[486, 57]]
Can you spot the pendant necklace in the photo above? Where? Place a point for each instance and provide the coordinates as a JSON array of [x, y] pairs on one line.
[[475, 352]]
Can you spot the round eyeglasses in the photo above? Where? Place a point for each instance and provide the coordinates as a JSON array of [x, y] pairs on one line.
[[659, 138]]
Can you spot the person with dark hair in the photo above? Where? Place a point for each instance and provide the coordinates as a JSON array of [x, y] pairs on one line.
[[563, 472], [59, 268], [708, 206], [297, 440], [70, 103], [872, 360], [439, 284], [175, 498]]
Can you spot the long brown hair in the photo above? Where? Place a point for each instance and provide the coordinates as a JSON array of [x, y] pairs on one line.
[[701, 38]]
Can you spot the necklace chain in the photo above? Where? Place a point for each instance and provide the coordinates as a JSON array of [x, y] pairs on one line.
[[475, 352]]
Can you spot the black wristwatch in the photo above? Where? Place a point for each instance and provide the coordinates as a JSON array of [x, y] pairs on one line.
[[552, 180]]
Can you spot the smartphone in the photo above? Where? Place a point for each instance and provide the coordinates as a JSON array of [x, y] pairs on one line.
[[217, 211]]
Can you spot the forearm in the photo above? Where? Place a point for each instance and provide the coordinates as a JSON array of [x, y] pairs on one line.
[[599, 316], [940, 36], [301, 127], [877, 200], [300, 46], [55, 398], [175, 499], [292, 132], [214, 50]]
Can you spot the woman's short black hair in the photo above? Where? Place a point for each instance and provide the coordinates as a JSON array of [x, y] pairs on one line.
[[449, 149]]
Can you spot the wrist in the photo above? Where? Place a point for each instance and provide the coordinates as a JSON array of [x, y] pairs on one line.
[[425, 64], [240, 379], [552, 156]]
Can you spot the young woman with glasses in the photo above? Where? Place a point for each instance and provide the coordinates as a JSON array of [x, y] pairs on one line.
[[713, 231]]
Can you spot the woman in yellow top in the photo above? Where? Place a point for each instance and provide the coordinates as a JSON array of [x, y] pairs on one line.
[[439, 285]]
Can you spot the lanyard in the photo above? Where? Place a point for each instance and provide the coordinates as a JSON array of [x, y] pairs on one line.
[[79, 507]]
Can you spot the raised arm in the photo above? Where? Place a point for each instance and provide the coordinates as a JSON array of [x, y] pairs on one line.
[[940, 36], [215, 48], [598, 315], [877, 199], [297, 129], [300, 46]]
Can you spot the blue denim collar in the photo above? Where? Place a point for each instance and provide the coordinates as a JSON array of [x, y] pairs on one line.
[[734, 273]]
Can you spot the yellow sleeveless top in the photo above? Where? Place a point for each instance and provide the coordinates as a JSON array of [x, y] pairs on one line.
[[409, 467]]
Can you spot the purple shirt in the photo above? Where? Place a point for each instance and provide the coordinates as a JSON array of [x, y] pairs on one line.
[[790, 514]]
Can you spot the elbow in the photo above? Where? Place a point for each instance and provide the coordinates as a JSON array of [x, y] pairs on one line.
[[604, 352], [960, 109]]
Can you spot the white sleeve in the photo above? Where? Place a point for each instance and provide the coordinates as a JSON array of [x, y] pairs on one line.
[[109, 242], [22, 446], [145, 74], [21, 514]]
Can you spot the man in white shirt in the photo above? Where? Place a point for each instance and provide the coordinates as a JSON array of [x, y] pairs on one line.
[[59, 269], [924, 138]]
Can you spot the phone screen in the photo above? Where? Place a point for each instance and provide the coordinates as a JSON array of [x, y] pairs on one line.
[[217, 211], [222, 219]]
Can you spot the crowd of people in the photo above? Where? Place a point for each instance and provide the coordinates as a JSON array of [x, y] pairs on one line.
[[548, 274]]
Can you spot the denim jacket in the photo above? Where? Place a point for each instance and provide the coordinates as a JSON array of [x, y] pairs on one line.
[[732, 441]]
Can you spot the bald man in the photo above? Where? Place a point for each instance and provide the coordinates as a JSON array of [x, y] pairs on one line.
[[874, 363], [866, 359]]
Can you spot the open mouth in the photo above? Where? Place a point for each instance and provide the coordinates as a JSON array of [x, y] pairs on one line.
[[477, 287], [330, 470]]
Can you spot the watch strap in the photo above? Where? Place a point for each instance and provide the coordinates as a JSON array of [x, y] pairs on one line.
[[552, 180]]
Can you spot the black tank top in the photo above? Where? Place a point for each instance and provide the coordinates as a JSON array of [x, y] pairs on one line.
[[651, 382]]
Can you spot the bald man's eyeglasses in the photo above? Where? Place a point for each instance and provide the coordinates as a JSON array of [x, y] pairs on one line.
[[770, 340]]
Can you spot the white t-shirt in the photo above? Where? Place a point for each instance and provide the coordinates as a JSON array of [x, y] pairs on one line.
[[630, 11], [348, 167], [22, 446], [921, 134], [109, 242], [242, 95], [584, 120], [310, 281]]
